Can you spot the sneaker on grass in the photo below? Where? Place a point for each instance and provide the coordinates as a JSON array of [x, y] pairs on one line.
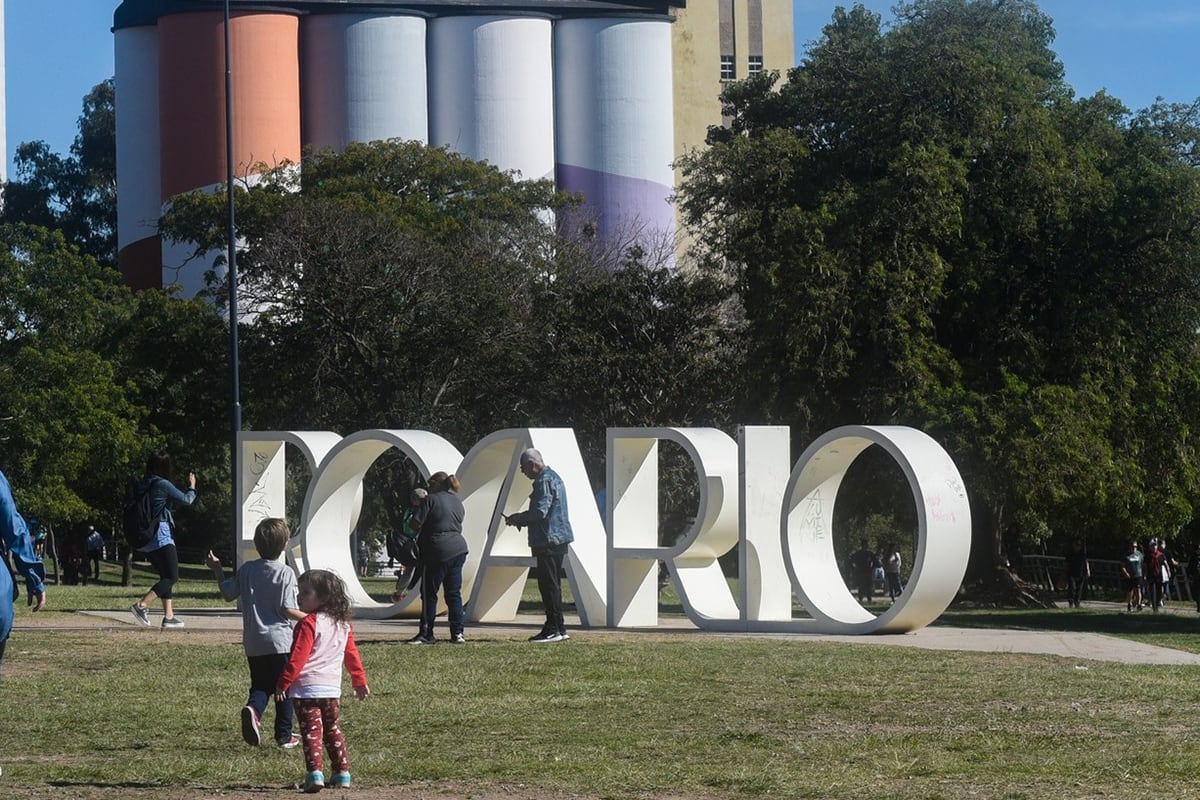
[[546, 637], [421, 638], [172, 622], [458, 638], [251, 732], [290, 743], [340, 779]]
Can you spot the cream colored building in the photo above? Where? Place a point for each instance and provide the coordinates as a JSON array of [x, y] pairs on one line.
[[717, 41]]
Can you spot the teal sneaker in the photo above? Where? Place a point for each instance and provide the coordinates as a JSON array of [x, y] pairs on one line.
[[314, 782], [340, 779]]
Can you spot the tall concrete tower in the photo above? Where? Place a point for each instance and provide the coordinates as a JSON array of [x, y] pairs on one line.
[[588, 93]]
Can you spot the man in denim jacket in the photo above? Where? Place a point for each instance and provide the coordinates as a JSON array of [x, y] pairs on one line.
[[549, 535]]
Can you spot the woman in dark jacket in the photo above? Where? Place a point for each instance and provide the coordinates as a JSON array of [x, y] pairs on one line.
[[160, 551], [443, 554]]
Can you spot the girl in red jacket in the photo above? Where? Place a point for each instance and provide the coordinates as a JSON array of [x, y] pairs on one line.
[[312, 679]]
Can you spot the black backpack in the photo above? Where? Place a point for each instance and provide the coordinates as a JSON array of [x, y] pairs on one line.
[[138, 520], [403, 548]]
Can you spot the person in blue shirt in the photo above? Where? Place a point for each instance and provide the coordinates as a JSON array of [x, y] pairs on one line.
[[549, 536], [161, 552], [14, 535]]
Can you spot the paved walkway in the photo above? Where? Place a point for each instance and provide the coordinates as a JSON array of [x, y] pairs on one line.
[[1082, 646]]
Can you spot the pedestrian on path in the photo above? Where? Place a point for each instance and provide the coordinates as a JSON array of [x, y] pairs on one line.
[[160, 551], [1131, 568]]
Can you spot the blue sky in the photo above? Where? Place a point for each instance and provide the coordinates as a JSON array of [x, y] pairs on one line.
[[1137, 50]]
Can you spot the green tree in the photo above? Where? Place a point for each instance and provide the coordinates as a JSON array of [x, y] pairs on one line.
[[401, 286], [69, 420], [76, 193], [926, 227]]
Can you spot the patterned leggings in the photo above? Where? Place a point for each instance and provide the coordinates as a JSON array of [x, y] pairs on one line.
[[318, 717]]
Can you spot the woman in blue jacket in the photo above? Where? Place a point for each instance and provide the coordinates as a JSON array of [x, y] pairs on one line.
[[15, 537], [161, 552]]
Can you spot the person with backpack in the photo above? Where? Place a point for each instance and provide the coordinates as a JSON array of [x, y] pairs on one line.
[[443, 551], [402, 546], [156, 493]]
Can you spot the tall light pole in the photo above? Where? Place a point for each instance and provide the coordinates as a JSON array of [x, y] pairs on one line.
[[235, 387]]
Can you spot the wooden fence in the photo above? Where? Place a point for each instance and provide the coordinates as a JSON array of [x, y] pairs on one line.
[[1050, 572]]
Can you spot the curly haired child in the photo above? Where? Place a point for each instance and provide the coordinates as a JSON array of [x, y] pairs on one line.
[[312, 679]]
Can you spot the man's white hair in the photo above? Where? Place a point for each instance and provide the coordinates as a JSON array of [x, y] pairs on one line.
[[532, 456]]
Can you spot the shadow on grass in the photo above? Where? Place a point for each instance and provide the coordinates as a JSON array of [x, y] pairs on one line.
[[1113, 622]]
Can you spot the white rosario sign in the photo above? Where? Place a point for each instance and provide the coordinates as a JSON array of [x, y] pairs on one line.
[[778, 515]]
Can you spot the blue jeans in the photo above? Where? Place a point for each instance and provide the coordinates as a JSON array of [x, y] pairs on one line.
[[264, 674], [446, 575]]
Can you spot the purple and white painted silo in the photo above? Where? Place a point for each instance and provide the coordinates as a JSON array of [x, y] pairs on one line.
[[363, 79], [615, 143], [139, 199], [491, 91]]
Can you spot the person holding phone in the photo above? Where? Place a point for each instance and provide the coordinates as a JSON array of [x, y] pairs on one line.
[[549, 535]]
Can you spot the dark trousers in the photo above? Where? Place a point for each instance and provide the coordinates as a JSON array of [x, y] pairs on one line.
[[549, 572], [866, 585], [1156, 593], [264, 674], [446, 575], [165, 561], [1075, 585], [894, 585], [94, 558]]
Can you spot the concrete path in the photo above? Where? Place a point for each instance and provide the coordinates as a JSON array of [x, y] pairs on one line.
[[1082, 646]]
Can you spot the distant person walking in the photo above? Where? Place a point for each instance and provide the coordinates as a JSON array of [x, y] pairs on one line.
[[161, 552], [1156, 561], [1131, 569], [1194, 569], [549, 537], [862, 569], [892, 562], [94, 545], [1078, 572]]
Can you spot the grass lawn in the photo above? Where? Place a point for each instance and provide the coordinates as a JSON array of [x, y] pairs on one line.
[[134, 712]]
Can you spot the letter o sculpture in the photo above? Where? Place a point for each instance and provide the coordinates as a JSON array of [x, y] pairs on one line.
[[943, 533]]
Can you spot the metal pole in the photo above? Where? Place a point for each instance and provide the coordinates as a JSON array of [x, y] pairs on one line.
[[235, 388]]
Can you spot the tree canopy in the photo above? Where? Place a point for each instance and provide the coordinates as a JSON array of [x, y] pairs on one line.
[[396, 285], [76, 193], [927, 227]]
